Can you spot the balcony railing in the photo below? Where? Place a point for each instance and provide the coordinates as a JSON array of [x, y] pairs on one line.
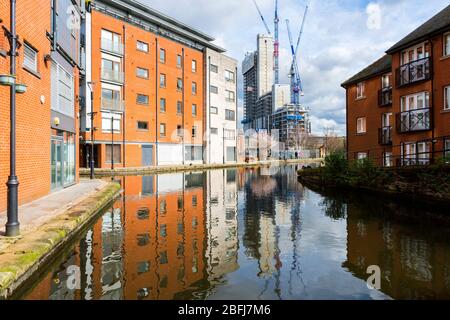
[[385, 97], [112, 105], [414, 120], [413, 72], [385, 136], [112, 46], [112, 75]]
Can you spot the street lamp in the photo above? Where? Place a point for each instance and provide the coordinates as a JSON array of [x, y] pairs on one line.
[[12, 226], [91, 86]]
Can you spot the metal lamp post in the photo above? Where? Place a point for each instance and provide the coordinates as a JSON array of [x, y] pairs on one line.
[[91, 86], [12, 226]]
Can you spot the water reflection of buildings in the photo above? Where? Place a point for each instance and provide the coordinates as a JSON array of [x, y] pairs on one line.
[[413, 265]]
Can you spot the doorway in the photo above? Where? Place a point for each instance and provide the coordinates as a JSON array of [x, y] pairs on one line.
[[56, 163]]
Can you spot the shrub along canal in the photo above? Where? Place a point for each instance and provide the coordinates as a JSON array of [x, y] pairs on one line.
[[250, 234]]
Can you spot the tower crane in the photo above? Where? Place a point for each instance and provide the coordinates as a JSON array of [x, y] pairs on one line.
[[296, 83], [262, 17], [276, 52]]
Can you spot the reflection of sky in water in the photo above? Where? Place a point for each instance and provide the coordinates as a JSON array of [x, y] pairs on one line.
[[241, 235]]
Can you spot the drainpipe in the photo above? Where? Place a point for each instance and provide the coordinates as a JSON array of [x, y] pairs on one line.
[[156, 101], [12, 226], [54, 31], [124, 127], [182, 106], [236, 115], [432, 106], [208, 110]]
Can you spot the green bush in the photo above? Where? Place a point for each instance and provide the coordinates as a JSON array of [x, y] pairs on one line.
[[365, 172], [336, 167]]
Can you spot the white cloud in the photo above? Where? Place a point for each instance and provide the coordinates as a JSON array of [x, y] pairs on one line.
[[336, 43]]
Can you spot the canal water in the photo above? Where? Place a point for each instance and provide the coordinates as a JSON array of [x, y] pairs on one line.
[[250, 234]]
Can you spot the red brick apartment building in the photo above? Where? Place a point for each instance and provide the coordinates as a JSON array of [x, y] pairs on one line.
[[398, 108], [149, 88], [49, 64]]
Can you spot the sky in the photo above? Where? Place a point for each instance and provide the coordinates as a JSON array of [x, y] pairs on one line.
[[340, 38]]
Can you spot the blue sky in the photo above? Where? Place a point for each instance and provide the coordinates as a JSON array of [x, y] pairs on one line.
[[340, 38]]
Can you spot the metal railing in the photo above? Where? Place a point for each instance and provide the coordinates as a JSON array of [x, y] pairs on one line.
[[414, 71], [111, 46], [385, 135], [112, 75], [112, 105], [414, 120], [385, 97]]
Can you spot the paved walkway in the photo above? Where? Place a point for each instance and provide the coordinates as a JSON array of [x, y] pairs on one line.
[[38, 212]]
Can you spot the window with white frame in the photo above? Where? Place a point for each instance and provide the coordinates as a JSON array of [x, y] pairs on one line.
[[179, 61], [111, 119], [361, 155], [229, 95], [447, 44], [214, 110], [194, 88], [30, 58], [360, 90], [415, 101], [229, 134], [447, 98], [229, 115], [142, 73], [386, 81], [62, 90], [142, 46], [387, 159], [194, 109], [194, 66], [413, 54], [361, 125]]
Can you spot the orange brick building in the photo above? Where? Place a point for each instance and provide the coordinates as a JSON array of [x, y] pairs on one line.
[[398, 109], [49, 65], [149, 88]]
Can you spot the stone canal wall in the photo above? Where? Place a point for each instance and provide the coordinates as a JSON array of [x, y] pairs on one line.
[[22, 257], [426, 184], [198, 167]]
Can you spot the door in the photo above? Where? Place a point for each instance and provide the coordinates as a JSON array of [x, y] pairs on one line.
[[56, 165], [147, 156]]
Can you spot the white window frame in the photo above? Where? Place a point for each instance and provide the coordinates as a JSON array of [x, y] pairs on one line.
[[142, 69], [32, 63], [359, 127], [388, 159], [447, 98], [386, 83], [230, 95], [216, 110], [405, 53], [229, 76], [194, 66], [360, 90], [405, 101], [58, 94], [361, 155], [106, 121], [142, 46], [446, 44]]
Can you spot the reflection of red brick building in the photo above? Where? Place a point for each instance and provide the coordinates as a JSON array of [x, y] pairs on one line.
[[398, 109]]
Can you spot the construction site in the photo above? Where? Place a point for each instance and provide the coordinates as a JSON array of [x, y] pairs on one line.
[[274, 115]]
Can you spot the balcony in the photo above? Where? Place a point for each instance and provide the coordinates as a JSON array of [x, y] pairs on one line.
[[416, 71], [112, 105], [110, 46], [385, 97], [112, 75], [385, 136], [414, 120]]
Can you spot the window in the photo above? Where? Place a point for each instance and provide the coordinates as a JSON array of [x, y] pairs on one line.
[[194, 109], [387, 159], [142, 125], [214, 131], [142, 46], [229, 134], [162, 80], [194, 66], [385, 81], [162, 129], [447, 44], [179, 131], [194, 131], [62, 90], [111, 99], [447, 148], [229, 95], [361, 125], [415, 101], [413, 54], [194, 88], [108, 118], [214, 110], [214, 89], [162, 105], [229, 115], [142, 99], [30, 58], [361, 155], [179, 84], [179, 107], [214, 68], [162, 55], [179, 61], [111, 42], [142, 73], [447, 98], [360, 90], [116, 153], [229, 75]]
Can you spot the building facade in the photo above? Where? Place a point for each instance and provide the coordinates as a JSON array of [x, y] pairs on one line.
[[398, 109], [221, 108], [50, 64], [149, 94]]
